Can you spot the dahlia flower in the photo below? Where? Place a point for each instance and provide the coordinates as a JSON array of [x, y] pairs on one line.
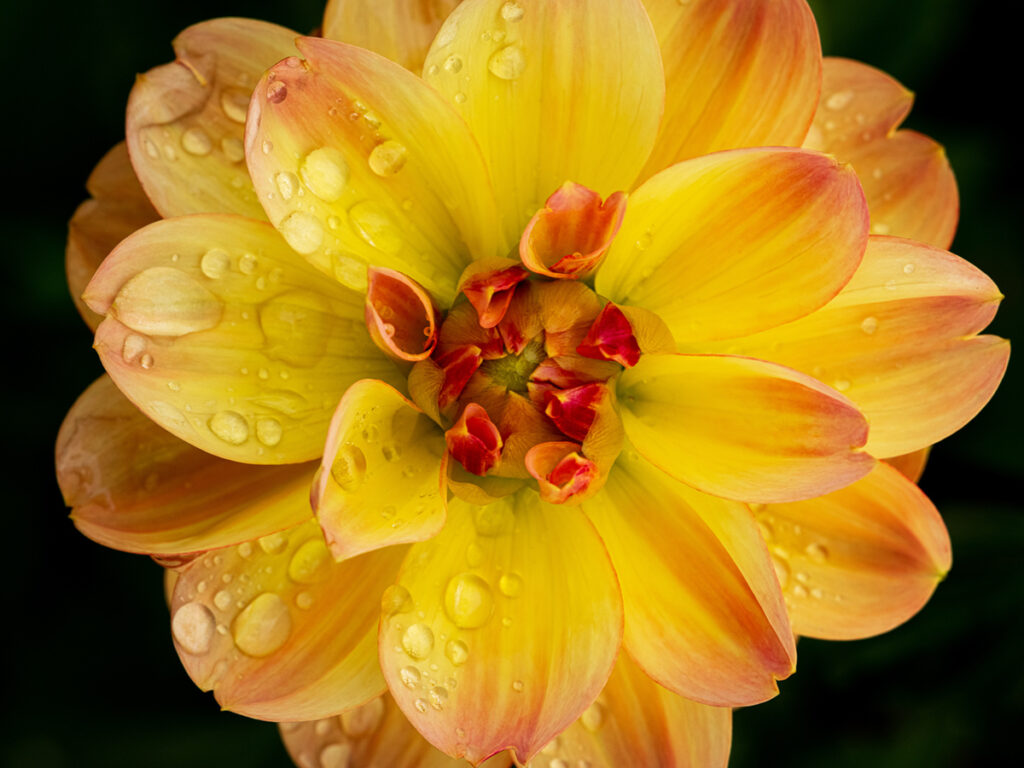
[[515, 379]]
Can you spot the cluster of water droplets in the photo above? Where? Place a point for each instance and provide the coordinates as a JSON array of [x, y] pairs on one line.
[[336, 742], [796, 554]]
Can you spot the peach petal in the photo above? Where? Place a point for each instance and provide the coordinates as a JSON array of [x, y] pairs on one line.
[[489, 285], [400, 315]]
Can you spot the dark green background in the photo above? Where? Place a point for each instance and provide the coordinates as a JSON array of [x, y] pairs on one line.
[[90, 677]]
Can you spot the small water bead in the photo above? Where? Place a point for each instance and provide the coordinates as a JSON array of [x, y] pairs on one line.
[[364, 720], [263, 626], [371, 433], [304, 600], [229, 426], [245, 550], [507, 63], [336, 756], [273, 544], [196, 141], [310, 563], [869, 325], [410, 676], [215, 263], [841, 384], [438, 697], [517, 686], [325, 172], [510, 584], [222, 600], [421, 705], [287, 184], [164, 301], [457, 652], [418, 641], [781, 570], [388, 158], [839, 100], [193, 626], [880, 228], [267, 147], [235, 104], [269, 432], [877, 173], [468, 601], [453, 64], [908, 269], [512, 11], [799, 590], [277, 92], [373, 224], [817, 552], [460, 98], [395, 600], [592, 717], [151, 149], [134, 345]]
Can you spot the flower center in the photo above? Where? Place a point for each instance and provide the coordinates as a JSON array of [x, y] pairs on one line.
[[513, 371]]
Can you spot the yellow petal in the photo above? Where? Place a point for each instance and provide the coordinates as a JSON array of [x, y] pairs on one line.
[[911, 465], [724, 646], [554, 92], [742, 428], [737, 242], [117, 208], [186, 119], [906, 176], [380, 478], [228, 339], [635, 722], [135, 487], [402, 30], [738, 74], [503, 629], [278, 630], [859, 561], [900, 342], [358, 163], [377, 733]]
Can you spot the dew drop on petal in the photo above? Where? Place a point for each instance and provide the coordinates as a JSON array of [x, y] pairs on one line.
[[507, 63], [263, 625], [325, 172], [310, 563], [193, 626], [869, 325], [817, 552], [273, 544], [229, 426], [438, 697], [457, 652], [517, 686], [235, 104], [839, 100], [287, 184], [164, 301], [908, 269], [277, 92], [196, 141], [396, 599], [410, 676], [418, 641], [421, 705], [134, 345], [215, 263], [222, 600], [302, 231], [592, 717], [510, 585], [511, 11], [304, 600], [468, 601], [349, 467], [388, 158], [336, 756], [269, 432], [453, 64]]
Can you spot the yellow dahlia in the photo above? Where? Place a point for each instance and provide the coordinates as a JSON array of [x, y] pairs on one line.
[[533, 406]]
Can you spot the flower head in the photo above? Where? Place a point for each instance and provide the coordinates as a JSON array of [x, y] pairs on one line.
[[493, 399]]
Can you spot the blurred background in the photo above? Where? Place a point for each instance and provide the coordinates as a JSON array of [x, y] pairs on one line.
[[90, 676]]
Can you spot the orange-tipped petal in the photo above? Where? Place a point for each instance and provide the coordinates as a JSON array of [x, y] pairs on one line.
[[742, 428], [474, 441], [503, 640], [611, 337], [380, 478], [186, 119], [738, 74], [906, 176], [733, 243], [400, 315], [900, 342], [225, 337], [562, 474], [489, 285], [635, 722], [136, 487], [569, 236], [402, 30], [581, 83], [357, 162], [724, 647], [278, 630], [911, 465], [859, 561], [117, 208]]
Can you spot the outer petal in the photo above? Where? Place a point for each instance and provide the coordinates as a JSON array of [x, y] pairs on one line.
[[548, 88], [635, 722], [278, 630], [859, 561], [225, 337], [742, 428], [134, 486], [724, 646], [911, 465], [380, 478], [402, 30], [376, 733], [737, 242], [738, 73], [118, 207], [501, 640], [186, 119], [899, 342], [358, 163], [906, 176]]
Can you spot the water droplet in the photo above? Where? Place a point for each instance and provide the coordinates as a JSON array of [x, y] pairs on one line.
[[134, 345], [418, 641], [287, 184], [460, 98], [349, 467], [421, 705], [879, 228], [267, 147], [468, 601], [511, 11], [799, 590], [164, 301], [235, 103], [877, 173], [592, 717], [174, 386], [335, 756], [304, 600], [146, 361], [233, 149], [215, 263], [817, 552], [510, 584], [222, 600], [474, 555], [781, 570], [273, 544], [229, 426], [196, 141], [325, 172], [517, 686], [507, 63], [644, 241], [841, 384], [410, 676], [453, 64], [263, 625], [310, 563], [438, 697], [839, 100], [388, 158], [362, 721], [457, 652], [374, 225], [193, 626], [869, 325], [908, 269], [151, 149], [395, 600], [277, 92], [493, 520], [269, 432]]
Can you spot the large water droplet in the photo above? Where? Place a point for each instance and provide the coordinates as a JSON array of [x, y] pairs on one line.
[[349, 467], [302, 231], [388, 158], [229, 426], [310, 563], [374, 225], [235, 103], [263, 625], [163, 301], [215, 263], [277, 92], [507, 63], [468, 601], [325, 172], [418, 641], [273, 544], [196, 141], [269, 432], [193, 626]]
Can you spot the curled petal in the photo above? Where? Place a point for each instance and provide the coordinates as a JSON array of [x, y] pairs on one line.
[[400, 315], [562, 473], [458, 367], [489, 285], [474, 440], [574, 410], [571, 234], [611, 337]]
